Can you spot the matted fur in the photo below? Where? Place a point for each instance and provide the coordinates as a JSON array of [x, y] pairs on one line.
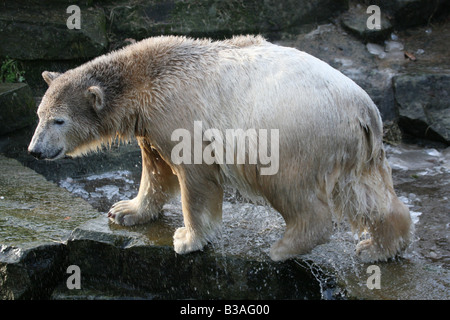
[[331, 153]]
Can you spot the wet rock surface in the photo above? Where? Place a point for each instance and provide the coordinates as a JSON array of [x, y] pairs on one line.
[[34, 209], [36, 218], [42, 233], [143, 259]]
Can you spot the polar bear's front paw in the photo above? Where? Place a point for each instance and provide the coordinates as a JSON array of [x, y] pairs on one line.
[[126, 213], [185, 241]]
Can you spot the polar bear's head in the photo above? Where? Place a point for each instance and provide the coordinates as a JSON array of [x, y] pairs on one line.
[[70, 116]]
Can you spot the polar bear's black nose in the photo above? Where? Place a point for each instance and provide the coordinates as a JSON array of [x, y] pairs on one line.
[[36, 154]]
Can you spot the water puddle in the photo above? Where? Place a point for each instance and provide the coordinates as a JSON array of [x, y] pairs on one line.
[[422, 181]]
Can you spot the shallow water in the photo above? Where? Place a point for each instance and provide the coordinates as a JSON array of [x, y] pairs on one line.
[[422, 181]]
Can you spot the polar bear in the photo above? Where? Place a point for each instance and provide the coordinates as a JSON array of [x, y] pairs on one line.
[[329, 149]]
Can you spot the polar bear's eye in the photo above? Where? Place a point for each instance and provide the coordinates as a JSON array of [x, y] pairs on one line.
[[58, 121]]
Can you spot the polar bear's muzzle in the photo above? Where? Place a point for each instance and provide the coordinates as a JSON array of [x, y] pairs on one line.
[[41, 156], [46, 146]]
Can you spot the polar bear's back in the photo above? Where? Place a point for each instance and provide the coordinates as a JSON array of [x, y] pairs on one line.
[[246, 82], [269, 86], [288, 80]]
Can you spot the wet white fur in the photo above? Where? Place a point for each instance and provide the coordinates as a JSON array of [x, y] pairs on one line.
[[331, 154]]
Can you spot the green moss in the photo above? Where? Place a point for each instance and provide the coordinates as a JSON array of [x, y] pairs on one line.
[[10, 71]]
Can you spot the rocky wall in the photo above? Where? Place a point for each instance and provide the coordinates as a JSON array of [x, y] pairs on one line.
[[36, 34]]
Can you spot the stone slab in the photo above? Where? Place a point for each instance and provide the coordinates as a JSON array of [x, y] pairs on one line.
[[142, 258]]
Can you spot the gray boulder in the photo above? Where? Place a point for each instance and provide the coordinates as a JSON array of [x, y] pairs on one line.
[[423, 101], [355, 22]]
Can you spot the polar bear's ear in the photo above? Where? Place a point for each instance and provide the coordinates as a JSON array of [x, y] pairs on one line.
[[95, 93], [50, 76]]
